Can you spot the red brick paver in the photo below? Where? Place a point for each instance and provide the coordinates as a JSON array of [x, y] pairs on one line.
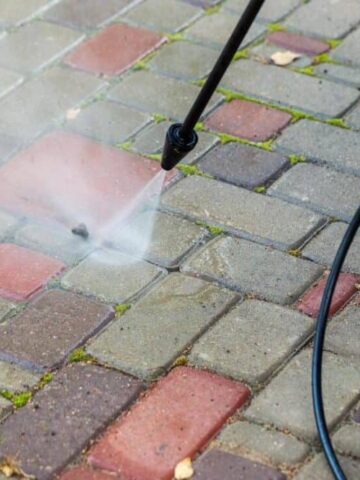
[[24, 272], [84, 473], [345, 289], [176, 419], [114, 50], [298, 43], [248, 120]]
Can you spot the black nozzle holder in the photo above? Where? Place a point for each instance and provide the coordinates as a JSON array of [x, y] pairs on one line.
[[176, 146]]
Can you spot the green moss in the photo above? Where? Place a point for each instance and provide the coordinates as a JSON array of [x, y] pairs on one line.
[[121, 308], [225, 138], [338, 122], [199, 83], [180, 361], [260, 189], [241, 54], [334, 43], [213, 229], [275, 27], [296, 252], [155, 156], [80, 355], [306, 71], [200, 127], [189, 170], [295, 159], [140, 65], [323, 58], [175, 37], [213, 10], [47, 378], [18, 399], [158, 118], [125, 146]]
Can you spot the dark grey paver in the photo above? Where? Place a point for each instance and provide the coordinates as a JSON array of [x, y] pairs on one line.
[[184, 60], [348, 51], [15, 379], [259, 325], [5, 308], [298, 91], [353, 118], [347, 440], [273, 446], [318, 469], [62, 89], [110, 276], [53, 240], [336, 147], [86, 13], [242, 165], [272, 10], [217, 464], [340, 73], [181, 308], [343, 334], [293, 387], [278, 277], [26, 49], [7, 224], [322, 249], [43, 335], [170, 237], [108, 122], [324, 190], [141, 91], [324, 19], [214, 30], [18, 11], [248, 214], [73, 408], [8, 81], [171, 16]]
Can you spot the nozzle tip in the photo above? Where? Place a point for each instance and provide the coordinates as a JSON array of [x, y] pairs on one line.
[[176, 147]]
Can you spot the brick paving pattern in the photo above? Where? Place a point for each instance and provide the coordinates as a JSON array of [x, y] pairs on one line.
[[186, 332]]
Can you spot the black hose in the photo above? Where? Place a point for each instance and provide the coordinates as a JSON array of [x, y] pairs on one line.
[[317, 393]]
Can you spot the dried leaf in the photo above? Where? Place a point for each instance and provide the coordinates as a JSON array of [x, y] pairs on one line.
[[184, 470], [284, 58], [9, 468], [72, 113]]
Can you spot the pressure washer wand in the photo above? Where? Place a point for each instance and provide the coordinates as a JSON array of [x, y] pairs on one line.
[[181, 138]]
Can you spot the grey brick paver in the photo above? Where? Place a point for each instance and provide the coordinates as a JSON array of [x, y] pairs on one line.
[[267, 444], [8, 81], [339, 73], [353, 118], [245, 343], [272, 10], [171, 16], [347, 440], [248, 214], [15, 379], [318, 469], [283, 87], [5, 308], [181, 308], [324, 19], [323, 247], [343, 334], [321, 189], [18, 11], [36, 45], [336, 147], [277, 277], [286, 401], [7, 224], [5, 408], [348, 51], [140, 90]]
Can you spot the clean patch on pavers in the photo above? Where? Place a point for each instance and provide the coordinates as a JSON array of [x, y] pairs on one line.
[[110, 276], [245, 213], [272, 10], [5, 408], [242, 165], [343, 333], [214, 30], [5, 308], [171, 16], [8, 81], [8, 146], [62, 418], [298, 91], [19, 11], [181, 308], [321, 189], [333, 146], [184, 60], [347, 440], [15, 379], [348, 51], [36, 45], [141, 90], [7, 224], [322, 249], [62, 89], [293, 387], [318, 469], [250, 268], [108, 122], [43, 335], [353, 117], [170, 237], [272, 446], [339, 73], [86, 13], [245, 344], [323, 19]]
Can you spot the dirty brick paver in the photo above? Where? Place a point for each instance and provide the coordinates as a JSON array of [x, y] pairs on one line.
[[79, 402], [176, 418]]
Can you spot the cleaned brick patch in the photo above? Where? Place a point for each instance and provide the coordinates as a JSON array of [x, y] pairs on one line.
[[217, 464], [51, 430], [248, 120], [298, 43], [345, 289], [24, 272], [84, 473], [44, 334], [114, 50], [176, 419]]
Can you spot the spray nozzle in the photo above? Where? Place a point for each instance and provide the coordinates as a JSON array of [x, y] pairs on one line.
[[177, 146]]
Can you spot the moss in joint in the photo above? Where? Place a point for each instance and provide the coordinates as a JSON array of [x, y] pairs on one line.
[[334, 43], [125, 146], [189, 170], [175, 37], [158, 118], [306, 71], [295, 159], [338, 122], [214, 230], [276, 27], [323, 58], [241, 54], [154, 156], [180, 361], [18, 399], [121, 308], [200, 127], [80, 355], [213, 10], [260, 189], [296, 252], [225, 138]]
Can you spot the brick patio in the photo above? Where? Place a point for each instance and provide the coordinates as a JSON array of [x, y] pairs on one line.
[[116, 365]]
